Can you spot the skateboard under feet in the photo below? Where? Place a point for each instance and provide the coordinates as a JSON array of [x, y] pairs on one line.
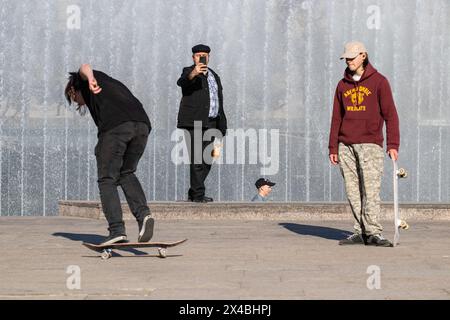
[[107, 250]]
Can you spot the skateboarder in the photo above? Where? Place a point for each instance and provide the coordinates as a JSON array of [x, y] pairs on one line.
[[123, 129], [264, 187], [363, 102], [201, 104]]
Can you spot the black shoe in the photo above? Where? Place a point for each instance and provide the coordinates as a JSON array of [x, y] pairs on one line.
[[146, 229], [208, 199], [379, 241], [201, 199], [190, 197], [352, 239], [112, 239]]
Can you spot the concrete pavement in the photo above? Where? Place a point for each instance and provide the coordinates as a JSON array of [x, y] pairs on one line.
[[223, 259]]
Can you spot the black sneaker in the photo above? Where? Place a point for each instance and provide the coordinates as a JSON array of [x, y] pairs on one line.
[[112, 239], [208, 199], [379, 241], [146, 229], [352, 239]]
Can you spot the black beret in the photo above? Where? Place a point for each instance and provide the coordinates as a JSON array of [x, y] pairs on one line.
[[201, 48]]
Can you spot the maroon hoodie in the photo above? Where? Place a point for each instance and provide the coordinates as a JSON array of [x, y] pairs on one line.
[[360, 110]]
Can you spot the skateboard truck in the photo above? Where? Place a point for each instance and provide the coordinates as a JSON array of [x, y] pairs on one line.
[[402, 224], [402, 173], [106, 254]]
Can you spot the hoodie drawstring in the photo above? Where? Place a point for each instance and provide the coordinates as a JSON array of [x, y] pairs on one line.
[[356, 85]]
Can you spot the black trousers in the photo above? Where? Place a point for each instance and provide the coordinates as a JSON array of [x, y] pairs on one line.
[[118, 152], [199, 169]]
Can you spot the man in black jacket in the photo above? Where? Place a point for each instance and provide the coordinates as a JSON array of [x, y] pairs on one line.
[[123, 129], [201, 107]]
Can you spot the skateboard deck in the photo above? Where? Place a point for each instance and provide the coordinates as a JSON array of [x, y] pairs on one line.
[[106, 250], [398, 222]]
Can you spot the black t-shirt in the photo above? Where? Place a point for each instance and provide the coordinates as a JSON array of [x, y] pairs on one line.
[[114, 105]]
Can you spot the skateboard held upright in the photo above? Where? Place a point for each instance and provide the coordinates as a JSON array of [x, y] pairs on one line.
[[398, 222]]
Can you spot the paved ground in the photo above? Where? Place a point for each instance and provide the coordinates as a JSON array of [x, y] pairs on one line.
[[223, 260]]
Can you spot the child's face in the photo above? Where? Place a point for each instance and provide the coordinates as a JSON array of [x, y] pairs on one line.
[[266, 189]]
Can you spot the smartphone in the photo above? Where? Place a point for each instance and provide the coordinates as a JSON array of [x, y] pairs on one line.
[[203, 59]]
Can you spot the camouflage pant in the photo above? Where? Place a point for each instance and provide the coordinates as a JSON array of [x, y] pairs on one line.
[[362, 169]]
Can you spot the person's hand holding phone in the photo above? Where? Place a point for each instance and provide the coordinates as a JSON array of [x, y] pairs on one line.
[[203, 66], [200, 68]]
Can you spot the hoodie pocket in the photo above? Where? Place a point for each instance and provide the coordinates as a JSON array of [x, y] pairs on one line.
[[374, 126], [352, 128]]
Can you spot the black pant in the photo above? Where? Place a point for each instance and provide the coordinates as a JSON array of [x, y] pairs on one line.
[[118, 152], [199, 169]]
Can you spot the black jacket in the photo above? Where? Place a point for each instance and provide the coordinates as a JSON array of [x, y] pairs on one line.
[[195, 104]]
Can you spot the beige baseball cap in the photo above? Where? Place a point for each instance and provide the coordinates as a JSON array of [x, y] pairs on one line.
[[352, 49]]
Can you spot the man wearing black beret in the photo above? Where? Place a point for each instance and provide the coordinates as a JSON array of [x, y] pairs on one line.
[[201, 106]]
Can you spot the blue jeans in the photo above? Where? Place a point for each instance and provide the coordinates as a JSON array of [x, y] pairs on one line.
[[118, 152]]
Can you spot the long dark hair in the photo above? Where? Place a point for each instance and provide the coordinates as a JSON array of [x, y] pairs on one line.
[[74, 84]]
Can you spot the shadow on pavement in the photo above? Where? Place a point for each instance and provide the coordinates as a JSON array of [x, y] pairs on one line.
[[92, 238], [82, 237], [317, 231]]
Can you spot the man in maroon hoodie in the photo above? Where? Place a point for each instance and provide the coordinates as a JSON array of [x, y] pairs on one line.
[[363, 102]]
